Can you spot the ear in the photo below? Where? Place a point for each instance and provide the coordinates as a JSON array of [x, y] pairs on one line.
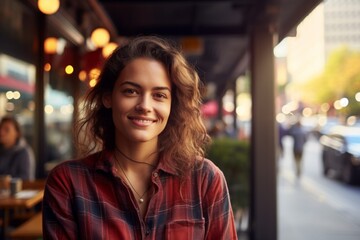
[[106, 99]]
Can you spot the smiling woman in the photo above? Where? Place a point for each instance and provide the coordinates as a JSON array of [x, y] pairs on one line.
[[149, 177], [141, 102]]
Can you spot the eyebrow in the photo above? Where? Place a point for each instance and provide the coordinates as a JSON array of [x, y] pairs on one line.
[[139, 86]]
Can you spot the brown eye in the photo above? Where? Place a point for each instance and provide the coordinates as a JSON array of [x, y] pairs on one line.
[[160, 96], [130, 91]]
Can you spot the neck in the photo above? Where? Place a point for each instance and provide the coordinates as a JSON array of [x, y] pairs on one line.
[[8, 146], [137, 158]]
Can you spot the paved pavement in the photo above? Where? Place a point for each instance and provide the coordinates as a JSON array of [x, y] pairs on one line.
[[304, 214]]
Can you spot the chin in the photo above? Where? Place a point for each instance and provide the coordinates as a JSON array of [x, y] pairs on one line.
[[142, 138]]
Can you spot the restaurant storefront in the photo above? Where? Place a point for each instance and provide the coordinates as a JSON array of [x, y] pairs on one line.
[[39, 85]]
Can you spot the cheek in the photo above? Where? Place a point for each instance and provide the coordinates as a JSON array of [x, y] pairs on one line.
[[16, 134], [118, 113], [165, 110], [120, 105]]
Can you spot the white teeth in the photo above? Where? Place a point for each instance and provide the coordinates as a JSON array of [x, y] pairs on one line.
[[143, 121]]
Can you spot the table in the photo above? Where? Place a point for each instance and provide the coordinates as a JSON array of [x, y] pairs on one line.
[[24, 199], [31, 229]]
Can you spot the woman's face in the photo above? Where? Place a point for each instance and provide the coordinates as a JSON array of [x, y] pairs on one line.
[[140, 101], [8, 134]]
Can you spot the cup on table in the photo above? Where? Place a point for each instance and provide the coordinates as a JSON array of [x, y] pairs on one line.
[[5, 184], [15, 186]]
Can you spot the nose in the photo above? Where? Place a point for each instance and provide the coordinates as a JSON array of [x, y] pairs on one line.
[[144, 104]]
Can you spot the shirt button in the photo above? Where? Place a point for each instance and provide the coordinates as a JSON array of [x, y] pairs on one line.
[[155, 174]]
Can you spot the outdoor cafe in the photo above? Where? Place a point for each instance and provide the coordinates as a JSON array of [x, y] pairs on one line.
[[20, 208]]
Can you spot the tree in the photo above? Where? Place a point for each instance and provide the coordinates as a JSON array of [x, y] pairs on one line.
[[340, 78]]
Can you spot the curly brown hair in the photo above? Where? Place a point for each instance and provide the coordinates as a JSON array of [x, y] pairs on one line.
[[184, 138]]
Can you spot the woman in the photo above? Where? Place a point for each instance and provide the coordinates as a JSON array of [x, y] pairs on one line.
[[16, 157], [150, 178]]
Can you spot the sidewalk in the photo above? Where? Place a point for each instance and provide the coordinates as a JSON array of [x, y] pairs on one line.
[[304, 215]]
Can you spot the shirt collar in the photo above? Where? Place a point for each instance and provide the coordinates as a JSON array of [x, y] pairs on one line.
[[105, 162], [164, 165]]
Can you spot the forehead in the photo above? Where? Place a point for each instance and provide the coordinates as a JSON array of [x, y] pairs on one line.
[[7, 125], [145, 69]]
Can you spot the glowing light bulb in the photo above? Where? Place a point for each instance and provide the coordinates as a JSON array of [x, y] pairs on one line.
[[69, 69], [108, 49], [48, 6], [100, 37]]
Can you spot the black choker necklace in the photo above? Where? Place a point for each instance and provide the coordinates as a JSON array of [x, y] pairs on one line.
[[132, 160]]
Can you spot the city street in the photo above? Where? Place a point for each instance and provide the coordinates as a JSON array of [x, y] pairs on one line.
[[315, 206]]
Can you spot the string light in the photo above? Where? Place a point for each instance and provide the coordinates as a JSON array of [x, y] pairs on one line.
[[69, 69], [48, 6], [100, 37], [108, 49], [50, 45]]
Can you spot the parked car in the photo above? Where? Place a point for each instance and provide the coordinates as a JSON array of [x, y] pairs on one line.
[[325, 126], [341, 153]]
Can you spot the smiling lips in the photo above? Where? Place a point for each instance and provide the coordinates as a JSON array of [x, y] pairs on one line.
[[142, 122]]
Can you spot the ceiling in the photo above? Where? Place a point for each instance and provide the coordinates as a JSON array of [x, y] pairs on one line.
[[219, 30]]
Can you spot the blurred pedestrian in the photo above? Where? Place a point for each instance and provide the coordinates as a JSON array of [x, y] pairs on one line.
[[16, 156], [149, 178], [298, 134], [282, 133]]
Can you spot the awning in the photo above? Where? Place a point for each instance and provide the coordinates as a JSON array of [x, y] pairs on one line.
[[12, 84]]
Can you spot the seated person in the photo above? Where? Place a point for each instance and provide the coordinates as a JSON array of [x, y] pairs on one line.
[[16, 156]]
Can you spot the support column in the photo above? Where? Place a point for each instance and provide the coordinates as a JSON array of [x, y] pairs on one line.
[[234, 87], [40, 130], [263, 218]]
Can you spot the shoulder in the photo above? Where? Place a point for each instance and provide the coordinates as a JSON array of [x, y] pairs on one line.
[[20, 150], [75, 167], [20, 154], [70, 173], [212, 183], [209, 172], [207, 166]]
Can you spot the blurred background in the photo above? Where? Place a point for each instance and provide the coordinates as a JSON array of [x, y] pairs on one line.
[[318, 83], [266, 66]]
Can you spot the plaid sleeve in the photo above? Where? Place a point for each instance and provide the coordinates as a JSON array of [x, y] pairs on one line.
[[58, 220], [219, 218]]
